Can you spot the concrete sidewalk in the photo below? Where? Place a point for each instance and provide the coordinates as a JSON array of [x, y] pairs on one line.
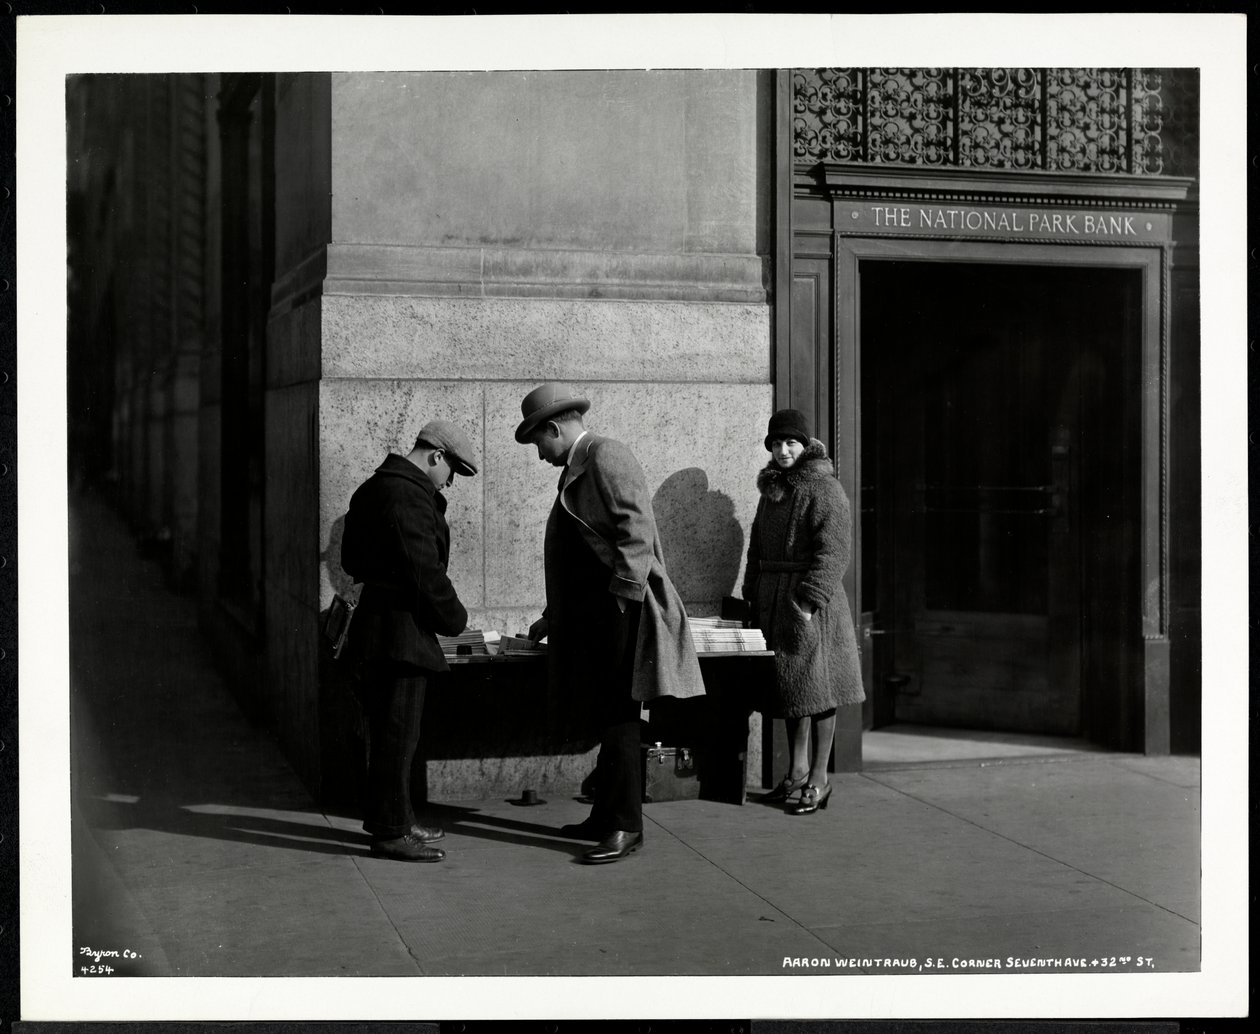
[[196, 847]]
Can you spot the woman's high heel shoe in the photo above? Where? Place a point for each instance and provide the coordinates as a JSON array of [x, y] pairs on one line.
[[783, 791], [810, 800]]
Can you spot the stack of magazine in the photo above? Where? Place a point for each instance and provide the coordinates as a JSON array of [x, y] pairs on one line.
[[721, 635], [471, 641]]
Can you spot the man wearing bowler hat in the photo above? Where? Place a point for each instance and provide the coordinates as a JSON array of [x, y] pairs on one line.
[[614, 622], [396, 542]]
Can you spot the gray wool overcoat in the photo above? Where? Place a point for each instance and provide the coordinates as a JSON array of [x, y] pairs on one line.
[[798, 551], [607, 492]]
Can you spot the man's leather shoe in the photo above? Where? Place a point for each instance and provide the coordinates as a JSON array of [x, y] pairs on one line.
[[429, 834], [587, 829], [407, 848], [613, 848]]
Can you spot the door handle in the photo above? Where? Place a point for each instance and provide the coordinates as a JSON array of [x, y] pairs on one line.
[[868, 632]]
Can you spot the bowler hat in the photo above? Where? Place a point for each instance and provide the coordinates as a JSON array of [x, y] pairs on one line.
[[544, 402], [442, 434], [788, 423]]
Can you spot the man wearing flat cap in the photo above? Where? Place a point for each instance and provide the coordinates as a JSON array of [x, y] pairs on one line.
[[396, 542], [615, 625]]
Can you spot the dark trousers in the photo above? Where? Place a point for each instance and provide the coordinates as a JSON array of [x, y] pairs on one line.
[[393, 701], [618, 797], [597, 642]]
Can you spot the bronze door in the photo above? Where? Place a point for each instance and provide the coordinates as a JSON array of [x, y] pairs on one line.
[[992, 411]]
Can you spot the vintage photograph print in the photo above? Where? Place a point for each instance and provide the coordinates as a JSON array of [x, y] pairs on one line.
[[744, 526]]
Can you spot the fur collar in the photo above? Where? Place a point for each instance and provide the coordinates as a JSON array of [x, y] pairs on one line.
[[774, 483]]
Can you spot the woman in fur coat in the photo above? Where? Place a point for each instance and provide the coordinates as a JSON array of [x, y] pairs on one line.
[[798, 551]]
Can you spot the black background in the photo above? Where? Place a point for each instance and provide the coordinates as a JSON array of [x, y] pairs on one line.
[[9, 913]]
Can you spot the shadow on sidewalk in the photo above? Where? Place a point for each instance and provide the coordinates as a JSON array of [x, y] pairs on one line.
[[226, 824], [472, 822], [157, 739]]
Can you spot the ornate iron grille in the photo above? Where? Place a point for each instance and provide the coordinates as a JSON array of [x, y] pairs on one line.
[[1098, 120]]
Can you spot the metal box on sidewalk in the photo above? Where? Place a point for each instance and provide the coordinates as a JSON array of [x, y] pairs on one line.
[[669, 774]]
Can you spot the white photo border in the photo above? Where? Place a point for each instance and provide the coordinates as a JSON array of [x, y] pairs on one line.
[[51, 47]]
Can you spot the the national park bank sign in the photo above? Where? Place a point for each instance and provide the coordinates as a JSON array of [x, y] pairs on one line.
[[1076, 225]]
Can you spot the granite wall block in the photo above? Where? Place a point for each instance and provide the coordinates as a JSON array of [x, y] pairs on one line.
[[596, 159], [545, 339], [700, 446], [360, 421], [480, 778], [722, 209], [470, 270]]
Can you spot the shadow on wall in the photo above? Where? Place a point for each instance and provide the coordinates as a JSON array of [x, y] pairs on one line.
[[702, 539], [342, 732], [331, 558]]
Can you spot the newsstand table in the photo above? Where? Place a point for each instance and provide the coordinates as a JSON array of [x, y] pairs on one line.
[[529, 720]]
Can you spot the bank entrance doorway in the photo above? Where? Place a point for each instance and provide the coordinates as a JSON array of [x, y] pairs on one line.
[[1000, 474]]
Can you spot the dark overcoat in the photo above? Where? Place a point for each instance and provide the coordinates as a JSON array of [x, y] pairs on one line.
[[397, 543], [606, 491], [798, 551]]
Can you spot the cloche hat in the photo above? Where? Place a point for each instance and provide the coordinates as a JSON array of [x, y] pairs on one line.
[[788, 423]]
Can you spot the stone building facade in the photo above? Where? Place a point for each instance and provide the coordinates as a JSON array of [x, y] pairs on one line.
[[276, 279]]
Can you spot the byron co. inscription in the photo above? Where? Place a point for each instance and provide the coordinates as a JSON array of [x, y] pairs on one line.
[[1015, 223]]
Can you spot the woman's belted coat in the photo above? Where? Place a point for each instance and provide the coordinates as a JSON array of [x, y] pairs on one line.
[[798, 551]]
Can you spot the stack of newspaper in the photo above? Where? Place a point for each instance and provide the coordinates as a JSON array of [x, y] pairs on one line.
[[713, 635], [520, 644], [473, 638]]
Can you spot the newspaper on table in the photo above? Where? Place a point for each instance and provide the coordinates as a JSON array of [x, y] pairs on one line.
[[725, 635], [509, 644], [472, 641]]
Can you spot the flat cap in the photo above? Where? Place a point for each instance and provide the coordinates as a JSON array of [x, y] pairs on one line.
[[442, 434]]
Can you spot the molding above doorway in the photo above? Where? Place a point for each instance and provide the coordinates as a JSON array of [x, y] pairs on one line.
[[1023, 188]]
